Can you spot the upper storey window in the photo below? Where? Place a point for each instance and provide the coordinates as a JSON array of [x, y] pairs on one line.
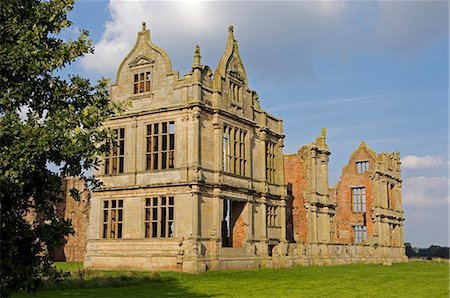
[[142, 82], [160, 145], [359, 199], [362, 166], [270, 162], [235, 92], [114, 161], [234, 157]]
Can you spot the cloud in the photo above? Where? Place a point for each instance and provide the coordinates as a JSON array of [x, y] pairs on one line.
[[413, 162], [307, 32], [426, 191]]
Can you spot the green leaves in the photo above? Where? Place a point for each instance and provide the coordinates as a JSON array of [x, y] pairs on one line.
[[44, 119]]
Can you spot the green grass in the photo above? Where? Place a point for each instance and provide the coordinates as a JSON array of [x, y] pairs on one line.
[[415, 279]]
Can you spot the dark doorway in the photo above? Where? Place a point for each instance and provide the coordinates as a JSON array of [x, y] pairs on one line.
[[233, 227]]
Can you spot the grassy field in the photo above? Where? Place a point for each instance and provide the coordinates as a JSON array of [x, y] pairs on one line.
[[415, 279]]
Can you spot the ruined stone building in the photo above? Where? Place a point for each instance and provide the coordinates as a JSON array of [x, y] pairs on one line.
[[197, 180], [374, 214], [358, 220]]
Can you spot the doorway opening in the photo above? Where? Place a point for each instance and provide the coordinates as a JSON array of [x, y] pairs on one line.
[[233, 226]]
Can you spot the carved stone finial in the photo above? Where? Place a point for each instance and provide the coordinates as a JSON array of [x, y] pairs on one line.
[[144, 26], [230, 31], [197, 56]]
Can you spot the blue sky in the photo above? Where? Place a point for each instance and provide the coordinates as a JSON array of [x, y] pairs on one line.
[[366, 70]]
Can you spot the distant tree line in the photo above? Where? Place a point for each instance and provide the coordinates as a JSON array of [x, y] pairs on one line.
[[434, 251]]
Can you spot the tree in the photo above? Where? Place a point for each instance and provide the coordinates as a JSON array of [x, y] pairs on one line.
[[44, 120]]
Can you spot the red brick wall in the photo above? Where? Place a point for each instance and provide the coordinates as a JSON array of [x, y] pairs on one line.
[[294, 175], [237, 220], [345, 218], [77, 211]]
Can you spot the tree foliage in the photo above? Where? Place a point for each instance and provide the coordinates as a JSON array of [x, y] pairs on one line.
[[44, 120]]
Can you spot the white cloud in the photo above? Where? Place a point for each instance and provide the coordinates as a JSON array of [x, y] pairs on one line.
[[305, 32], [426, 191], [413, 162]]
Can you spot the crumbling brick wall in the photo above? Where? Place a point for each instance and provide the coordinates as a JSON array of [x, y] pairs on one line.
[[77, 212], [346, 218], [294, 175]]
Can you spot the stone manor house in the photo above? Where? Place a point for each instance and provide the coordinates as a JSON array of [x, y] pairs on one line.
[[198, 180]]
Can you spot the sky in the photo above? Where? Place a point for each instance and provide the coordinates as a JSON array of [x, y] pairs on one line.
[[376, 71]]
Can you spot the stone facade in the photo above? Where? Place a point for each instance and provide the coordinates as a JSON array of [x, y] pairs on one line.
[[197, 170], [196, 179]]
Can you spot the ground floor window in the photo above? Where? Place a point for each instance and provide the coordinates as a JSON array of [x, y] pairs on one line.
[[360, 233], [271, 216], [159, 217], [112, 218]]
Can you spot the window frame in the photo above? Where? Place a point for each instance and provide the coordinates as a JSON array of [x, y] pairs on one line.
[[160, 141], [359, 202], [110, 223], [234, 150], [142, 79], [115, 160], [362, 166], [164, 223], [270, 155], [272, 216], [359, 234]]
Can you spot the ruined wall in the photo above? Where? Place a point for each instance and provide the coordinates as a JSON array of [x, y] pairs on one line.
[[294, 173], [346, 217], [77, 212], [307, 178], [383, 214]]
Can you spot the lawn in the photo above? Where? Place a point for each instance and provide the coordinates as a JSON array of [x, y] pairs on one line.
[[415, 279]]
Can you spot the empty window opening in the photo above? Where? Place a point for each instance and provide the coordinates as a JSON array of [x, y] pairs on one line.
[[160, 146], [359, 199], [142, 82], [234, 151], [271, 213], [270, 162], [235, 92], [159, 217], [114, 161], [112, 218], [362, 166], [360, 233], [390, 195]]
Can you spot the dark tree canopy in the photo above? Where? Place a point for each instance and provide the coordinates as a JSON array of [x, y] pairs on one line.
[[44, 120]]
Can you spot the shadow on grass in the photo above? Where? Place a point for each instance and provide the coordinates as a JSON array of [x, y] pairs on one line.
[[108, 284]]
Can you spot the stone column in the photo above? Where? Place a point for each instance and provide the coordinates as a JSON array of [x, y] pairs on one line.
[[216, 216], [137, 150], [313, 226], [195, 194], [263, 219], [313, 171], [249, 230], [283, 220], [279, 169], [196, 137]]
